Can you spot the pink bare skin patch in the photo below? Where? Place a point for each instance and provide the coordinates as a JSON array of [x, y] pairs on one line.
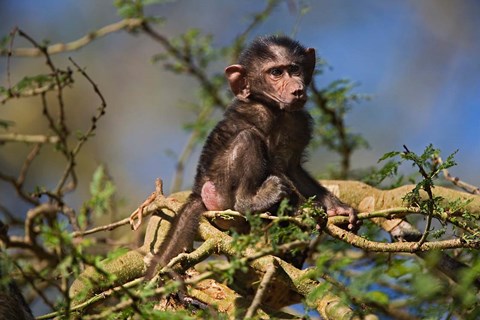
[[210, 197]]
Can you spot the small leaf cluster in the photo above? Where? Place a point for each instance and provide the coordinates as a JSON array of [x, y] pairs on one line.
[[129, 9], [102, 190], [44, 82], [427, 166]]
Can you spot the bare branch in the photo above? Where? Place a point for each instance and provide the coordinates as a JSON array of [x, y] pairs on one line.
[[147, 208], [26, 164], [411, 247], [456, 181], [28, 138], [128, 24], [69, 170]]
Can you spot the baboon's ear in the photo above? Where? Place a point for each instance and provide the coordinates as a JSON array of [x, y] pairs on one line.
[[237, 78]]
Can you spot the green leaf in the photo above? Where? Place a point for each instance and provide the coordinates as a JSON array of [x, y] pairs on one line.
[[102, 190], [378, 297], [389, 155]]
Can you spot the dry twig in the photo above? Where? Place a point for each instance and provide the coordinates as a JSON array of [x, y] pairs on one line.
[[151, 198], [456, 180]]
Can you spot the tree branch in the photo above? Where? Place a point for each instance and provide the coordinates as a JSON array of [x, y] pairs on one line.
[[128, 24], [28, 138]]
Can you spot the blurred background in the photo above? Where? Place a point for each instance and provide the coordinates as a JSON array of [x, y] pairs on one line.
[[419, 61]]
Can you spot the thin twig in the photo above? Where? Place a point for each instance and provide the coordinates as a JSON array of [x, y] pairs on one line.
[[60, 128], [55, 73], [51, 123], [25, 93], [336, 120], [96, 298], [138, 214], [9, 55], [27, 163], [160, 202], [262, 288], [28, 138], [29, 241], [44, 209], [101, 111], [192, 68], [108, 227], [72, 216], [430, 203], [19, 190], [456, 181], [12, 219], [19, 181], [32, 281]]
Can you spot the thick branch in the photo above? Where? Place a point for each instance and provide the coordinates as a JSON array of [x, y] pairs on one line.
[[354, 192], [289, 281]]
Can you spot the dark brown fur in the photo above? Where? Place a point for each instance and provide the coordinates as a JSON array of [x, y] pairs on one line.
[[253, 157]]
